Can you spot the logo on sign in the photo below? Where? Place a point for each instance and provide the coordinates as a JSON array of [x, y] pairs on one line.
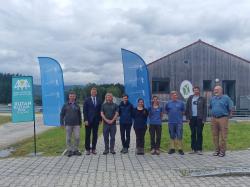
[[186, 89], [22, 84]]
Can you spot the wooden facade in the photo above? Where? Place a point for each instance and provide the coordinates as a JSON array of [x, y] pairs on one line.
[[201, 64]]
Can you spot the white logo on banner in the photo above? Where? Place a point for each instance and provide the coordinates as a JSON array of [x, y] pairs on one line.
[[186, 89], [22, 84]]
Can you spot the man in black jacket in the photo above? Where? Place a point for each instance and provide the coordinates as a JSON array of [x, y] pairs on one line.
[[125, 112], [196, 113], [92, 117], [71, 118]]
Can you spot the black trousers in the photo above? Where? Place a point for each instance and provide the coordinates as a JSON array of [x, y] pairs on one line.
[[92, 127], [140, 136], [125, 134], [196, 127], [155, 136]]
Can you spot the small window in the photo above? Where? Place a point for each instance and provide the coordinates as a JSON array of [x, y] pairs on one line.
[[160, 86], [207, 85]]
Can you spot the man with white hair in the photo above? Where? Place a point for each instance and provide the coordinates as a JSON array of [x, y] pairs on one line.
[[221, 108], [109, 113]]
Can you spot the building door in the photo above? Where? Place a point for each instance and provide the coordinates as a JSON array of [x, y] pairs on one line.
[[229, 89]]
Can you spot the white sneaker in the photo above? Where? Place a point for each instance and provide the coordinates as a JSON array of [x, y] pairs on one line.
[[199, 153]]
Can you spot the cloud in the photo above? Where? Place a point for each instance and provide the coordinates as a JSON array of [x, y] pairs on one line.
[[86, 37]]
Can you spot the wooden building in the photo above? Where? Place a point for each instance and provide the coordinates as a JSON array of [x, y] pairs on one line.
[[204, 65]]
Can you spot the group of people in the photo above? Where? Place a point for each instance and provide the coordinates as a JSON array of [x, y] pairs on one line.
[[95, 112]]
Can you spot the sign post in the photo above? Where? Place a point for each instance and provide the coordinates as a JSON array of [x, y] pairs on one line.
[[23, 101]]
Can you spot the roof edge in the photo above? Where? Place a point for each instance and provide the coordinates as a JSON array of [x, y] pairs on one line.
[[199, 41]]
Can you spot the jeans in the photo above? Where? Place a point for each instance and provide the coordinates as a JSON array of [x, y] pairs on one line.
[[69, 130], [125, 134], [175, 130], [196, 127], [155, 136], [109, 131]]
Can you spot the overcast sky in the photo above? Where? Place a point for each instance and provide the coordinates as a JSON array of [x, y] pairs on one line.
[[86, 36]]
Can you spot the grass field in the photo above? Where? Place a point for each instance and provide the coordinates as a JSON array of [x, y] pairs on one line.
[[238, 137], [52, 142], [4, 119]]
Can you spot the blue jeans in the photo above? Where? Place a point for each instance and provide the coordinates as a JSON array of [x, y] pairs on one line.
[[175, 130]]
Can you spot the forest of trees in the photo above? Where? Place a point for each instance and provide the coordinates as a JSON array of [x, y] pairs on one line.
[[82, 91], [116, 89], [5, 87]]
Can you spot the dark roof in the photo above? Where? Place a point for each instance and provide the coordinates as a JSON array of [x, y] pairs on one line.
[[200, 41]]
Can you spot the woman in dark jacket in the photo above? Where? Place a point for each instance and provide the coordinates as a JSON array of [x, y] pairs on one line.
[[140, 115]]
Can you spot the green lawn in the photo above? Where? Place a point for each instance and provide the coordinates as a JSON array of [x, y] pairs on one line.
[[4, 119], [52, 142], [238, 137]]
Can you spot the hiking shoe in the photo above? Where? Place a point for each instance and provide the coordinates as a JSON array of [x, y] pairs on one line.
[[216, 153], [125, 150], [192, 152], [180, 151], [87, 152], [113, 152], [171, 151], [94, 151], [69, 153], [105, 152], [152, 152], [157, 152], [199, 153], [221, 154], [77, 153]]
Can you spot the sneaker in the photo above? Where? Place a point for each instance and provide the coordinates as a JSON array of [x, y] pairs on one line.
[[221, 154], [87, 152], [69, 153], [216, 153], [171, 151], [122, 151], [105, 152], [125, 150], [192, 152], [113, 152], [94, 151], [157, 152], [199, 153], [77, 153], [180, 151], [152, 152]]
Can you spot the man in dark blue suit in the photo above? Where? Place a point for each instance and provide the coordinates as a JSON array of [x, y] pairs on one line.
[[92, 118]]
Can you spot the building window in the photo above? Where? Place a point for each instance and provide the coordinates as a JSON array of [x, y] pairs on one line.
[[207, 85], [160, 85]]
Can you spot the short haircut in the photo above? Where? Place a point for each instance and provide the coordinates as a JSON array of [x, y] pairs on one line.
[[125, 95], [155, 96], [196, 87], [174, 92], [72, 93], [93, 88], [140, 99]]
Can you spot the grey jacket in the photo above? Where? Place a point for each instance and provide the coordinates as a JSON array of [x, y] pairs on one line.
[[71, 115], [201, 108]]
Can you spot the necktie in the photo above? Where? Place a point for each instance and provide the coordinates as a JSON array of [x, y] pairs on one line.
[[94, 101]]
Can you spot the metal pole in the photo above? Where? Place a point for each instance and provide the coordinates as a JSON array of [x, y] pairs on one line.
[[35, 137]]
